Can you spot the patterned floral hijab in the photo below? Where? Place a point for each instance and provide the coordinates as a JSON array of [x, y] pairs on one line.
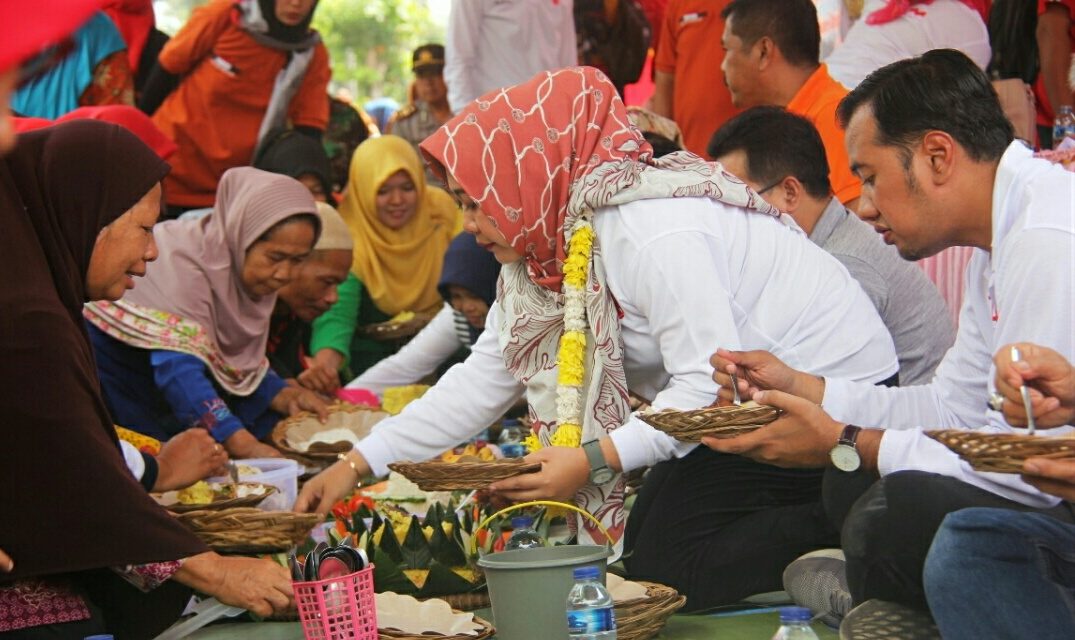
[[538, 158]]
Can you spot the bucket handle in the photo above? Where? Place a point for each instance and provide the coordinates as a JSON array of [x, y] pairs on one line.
[[534, 503]]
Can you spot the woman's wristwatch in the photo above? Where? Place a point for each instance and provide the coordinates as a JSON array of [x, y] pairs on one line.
[[600, 473]]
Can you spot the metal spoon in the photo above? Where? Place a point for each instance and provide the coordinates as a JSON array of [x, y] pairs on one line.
[[1025, 393], [735, 390]]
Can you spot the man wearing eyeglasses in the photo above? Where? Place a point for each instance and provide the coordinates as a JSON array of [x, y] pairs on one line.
[[781, 156]]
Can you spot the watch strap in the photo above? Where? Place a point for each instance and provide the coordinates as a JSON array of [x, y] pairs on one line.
[[594, 455], [849, 436]]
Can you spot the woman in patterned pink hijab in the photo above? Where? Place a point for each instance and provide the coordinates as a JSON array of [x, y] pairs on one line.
[[537, 158]]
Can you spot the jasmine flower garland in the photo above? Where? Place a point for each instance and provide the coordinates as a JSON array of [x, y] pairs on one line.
[[572, 354]]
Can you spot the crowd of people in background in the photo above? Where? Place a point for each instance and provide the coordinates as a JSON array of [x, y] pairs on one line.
[[770, 205]]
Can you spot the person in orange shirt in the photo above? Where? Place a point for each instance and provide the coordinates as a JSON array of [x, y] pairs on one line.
[[688, 87], [226, 60], [771, 57]]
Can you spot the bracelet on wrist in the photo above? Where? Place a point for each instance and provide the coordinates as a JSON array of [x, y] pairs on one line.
[[346, 457]]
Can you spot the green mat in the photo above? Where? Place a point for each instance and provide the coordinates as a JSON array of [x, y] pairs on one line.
[[753, 625]]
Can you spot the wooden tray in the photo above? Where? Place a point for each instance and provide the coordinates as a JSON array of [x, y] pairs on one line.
[[169, 499], [436, 475], [388, 331], [245, 530], [716, 422], [1002, 452], [358, 419], [644, 618]]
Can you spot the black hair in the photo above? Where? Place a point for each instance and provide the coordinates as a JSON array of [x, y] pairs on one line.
[[662, 146], [776, 144], [310, 218], [791, 24], [941, 90]]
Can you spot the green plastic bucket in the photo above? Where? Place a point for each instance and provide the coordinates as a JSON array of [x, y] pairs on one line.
[[528, 588]]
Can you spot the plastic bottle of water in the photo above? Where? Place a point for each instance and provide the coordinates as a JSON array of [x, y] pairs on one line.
[[590, 615], [795, 624], [1063, 125], [523, 535], [511, 439]]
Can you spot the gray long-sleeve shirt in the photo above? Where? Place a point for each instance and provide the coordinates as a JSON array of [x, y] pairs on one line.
[[908, 303]]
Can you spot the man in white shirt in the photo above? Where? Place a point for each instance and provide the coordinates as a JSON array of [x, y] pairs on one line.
[[499, 43], [939, 168]]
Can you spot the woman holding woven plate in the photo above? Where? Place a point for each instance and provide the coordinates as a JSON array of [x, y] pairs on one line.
[[619, 272]]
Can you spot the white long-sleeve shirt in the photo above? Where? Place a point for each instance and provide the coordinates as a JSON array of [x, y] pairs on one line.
[[499, 43], [690, 275], [434, 344], [1023, 291]]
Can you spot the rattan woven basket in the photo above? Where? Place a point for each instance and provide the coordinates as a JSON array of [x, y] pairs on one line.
[[644, 618], [300, 426], [487, 631], [387, 331], [245, 530], [717, 422], [469, 601], [1002, 452], [165, 500], [436, 475]]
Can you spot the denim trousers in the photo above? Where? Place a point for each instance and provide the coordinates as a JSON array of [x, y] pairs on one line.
[[998, 573]]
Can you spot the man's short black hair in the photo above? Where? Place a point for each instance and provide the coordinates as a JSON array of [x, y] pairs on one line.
[[662, 146], [777, 144], [941, 90], [791, 24]]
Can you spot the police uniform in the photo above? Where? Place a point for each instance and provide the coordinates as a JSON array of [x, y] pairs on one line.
[[415, 122]]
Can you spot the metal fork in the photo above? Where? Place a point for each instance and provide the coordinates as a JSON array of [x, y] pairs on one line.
[[233, 472], [1025, 393]]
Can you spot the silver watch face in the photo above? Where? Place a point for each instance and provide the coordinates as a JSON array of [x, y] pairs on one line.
[[602, 475], [845, 458]]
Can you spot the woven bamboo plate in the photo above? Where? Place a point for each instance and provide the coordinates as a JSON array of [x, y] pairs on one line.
[[644, 618], [302, 426], [245, 530], [435, 475], [486, 631], [170, 501], [470, 601], [717, 422], [386, 331], [1002, 452]]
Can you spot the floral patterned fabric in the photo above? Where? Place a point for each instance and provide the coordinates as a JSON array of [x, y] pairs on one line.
[[153, 329], [566, 136], [37, 602]]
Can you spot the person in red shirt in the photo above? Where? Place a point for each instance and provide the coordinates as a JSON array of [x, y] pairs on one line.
[[1056, 43]]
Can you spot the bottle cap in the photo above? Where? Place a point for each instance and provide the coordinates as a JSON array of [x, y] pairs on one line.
[[522, 522], [795, 614], [587, 573]]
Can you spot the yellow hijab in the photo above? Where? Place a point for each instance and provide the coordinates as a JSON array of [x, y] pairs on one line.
[[399, 267]]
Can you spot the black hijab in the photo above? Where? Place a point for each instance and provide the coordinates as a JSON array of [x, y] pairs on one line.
[[293, 154], [282, 32], [60, 461]]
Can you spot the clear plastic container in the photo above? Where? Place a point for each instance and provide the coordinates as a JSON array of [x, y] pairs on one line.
[[281, 473], [523, 535], [590, 613], [511, 439], [795, 624]]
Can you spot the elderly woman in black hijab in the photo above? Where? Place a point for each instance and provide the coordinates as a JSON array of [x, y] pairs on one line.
[[93, 552]]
